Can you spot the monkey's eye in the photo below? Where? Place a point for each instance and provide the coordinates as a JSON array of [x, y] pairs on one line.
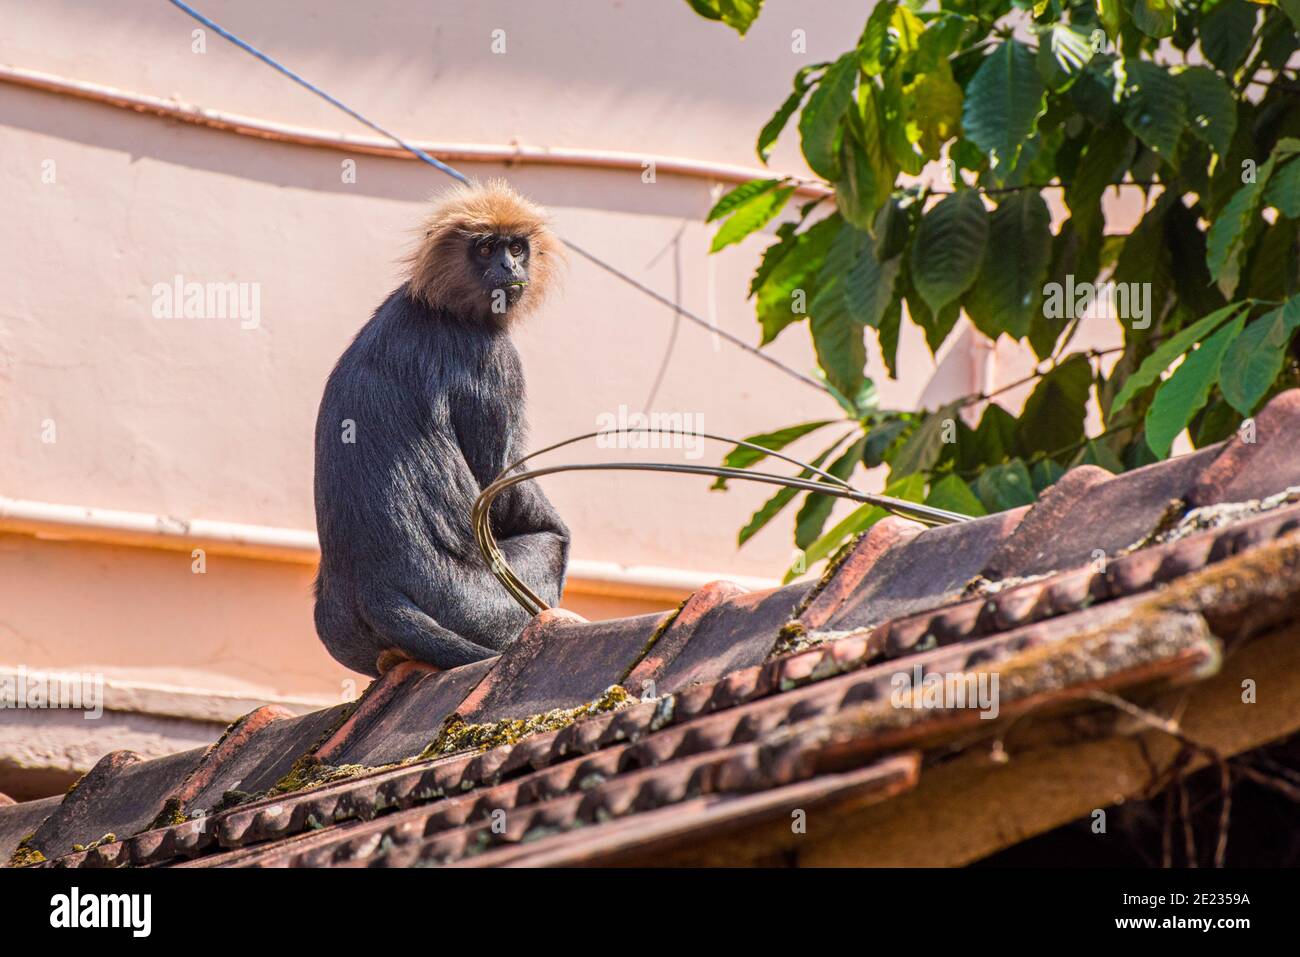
[[484, 249], [516, 249]]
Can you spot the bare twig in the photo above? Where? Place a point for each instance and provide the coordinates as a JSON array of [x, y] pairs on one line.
[[1225, 814], [1189, 836]]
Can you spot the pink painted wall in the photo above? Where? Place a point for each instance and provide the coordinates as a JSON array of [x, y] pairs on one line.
[[200, 418]]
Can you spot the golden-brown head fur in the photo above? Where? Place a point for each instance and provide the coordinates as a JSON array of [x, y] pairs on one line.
[[442, 274]]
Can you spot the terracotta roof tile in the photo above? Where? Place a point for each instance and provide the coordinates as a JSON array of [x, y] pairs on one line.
[[1090, 514], [121, 795], [931, 570], [227, 763], [737, 730], [559, 661], [1255, 469], [739, 632], [680, 631], [278, 746], [401, 714], [884, 538], [19, 821]]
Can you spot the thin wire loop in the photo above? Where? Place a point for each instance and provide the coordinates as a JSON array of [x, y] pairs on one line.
[[528, 599]]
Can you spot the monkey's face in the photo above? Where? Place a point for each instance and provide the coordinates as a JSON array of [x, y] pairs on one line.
[[487, 255], [500, 261]]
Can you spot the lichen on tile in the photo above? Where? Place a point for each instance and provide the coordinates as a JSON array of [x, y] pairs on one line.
[[1173, 527], [460, 735]]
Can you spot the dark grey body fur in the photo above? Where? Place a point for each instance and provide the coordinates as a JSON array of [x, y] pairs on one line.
[[437, 403]]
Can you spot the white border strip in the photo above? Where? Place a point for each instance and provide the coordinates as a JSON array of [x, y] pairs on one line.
[[83, 523]]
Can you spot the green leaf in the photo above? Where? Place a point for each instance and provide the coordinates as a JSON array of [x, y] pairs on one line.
[[953, 494], [1045, 473], [1218, 422], [1193, 289], [837, 338], [737, 14], [1093, 90], [1225, 241], [1054, 413], [1211, 108], [881, 439], [819, 124], [739, 196], [841, 349], [1155, 18], [906, 28], [891, 229], [784, 296], [742, 457], [1155, 108], [772, 130], [1292, 9], [1164, 355], [1146, 258], [816, 507], [1227, 33], [922, 449], [887, 336], [1064, 49], [994, 440], [1283, 190], [1004, 99], [865, 400], [1254, 360], [942, 36], [1185, 392], [773, 506], [1007, 293], [910, 489], [787, 240], [1067, 257], [1005, 486], [949, 248], [868, 173], [1099, 454], [896, 106], [869, 284], [936, 108], [1274, 263], [751, 216], [1105, 159], [878, 45], [935, 325], [1110, 16]]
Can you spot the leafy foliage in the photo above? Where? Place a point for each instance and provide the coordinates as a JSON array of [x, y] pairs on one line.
[[947, 137]]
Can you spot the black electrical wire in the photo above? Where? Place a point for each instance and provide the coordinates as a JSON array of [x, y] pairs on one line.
[[528, 599]]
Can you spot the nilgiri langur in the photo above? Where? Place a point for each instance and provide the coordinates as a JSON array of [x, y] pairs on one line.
[[423, 410]]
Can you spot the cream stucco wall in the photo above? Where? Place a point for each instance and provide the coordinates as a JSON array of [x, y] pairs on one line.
[[200, 418]]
